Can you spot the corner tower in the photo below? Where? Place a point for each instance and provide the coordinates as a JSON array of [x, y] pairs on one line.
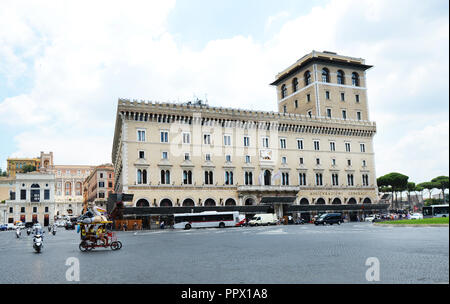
[[324, 84]]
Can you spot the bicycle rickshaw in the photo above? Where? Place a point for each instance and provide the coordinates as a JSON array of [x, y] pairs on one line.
[[97, 235]]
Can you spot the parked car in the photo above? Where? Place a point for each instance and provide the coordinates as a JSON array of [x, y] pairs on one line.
[[416, 216], [369, 218], [263, 219], [3, 227], [11, 226], [29, 224], [329, 218]]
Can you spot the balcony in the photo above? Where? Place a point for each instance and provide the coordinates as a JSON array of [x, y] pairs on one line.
[[270, 188]]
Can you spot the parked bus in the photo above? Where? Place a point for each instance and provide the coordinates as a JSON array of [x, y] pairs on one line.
[[208, 219], [435, 211]]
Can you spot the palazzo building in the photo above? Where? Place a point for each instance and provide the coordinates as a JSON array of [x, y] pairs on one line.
[[315, 153], [98, 185]]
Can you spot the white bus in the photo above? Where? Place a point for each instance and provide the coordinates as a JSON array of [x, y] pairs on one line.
[[208, 219], [435, 211]]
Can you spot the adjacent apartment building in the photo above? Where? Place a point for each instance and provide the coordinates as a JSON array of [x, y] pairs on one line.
[[315, 153], [98, 185]]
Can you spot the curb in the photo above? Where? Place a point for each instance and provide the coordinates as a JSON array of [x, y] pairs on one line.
[[411, 225]]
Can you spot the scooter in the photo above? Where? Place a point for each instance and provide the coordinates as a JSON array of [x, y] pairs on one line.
[[37, 243], [28, 231], [54, 231], [18, 233]]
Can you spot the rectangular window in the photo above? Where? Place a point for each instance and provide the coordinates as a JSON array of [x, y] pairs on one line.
[[344, 114], [308, 97], [141, 135], [246, 141], [228, 177], [283, 160], [208, 157], [265, 142], [247, 159], [301, 160], [296, 104], [141, 154], [332, 146], [335, 179], [349, 162], [228, 158], [187, 156], [358, 115], [284, 109], [363, 147], [46, 194], [347, 147], [186, 138], [364, 163], [333, 161], [310, 113], [302, 179], [329, 113], [319, 179], [101, 195], [22, 209], [357, 98], [101, 184], [164, 136], [316, 145], [165, 155], [282, 143], [227, 140], [300, 144], [34, 209], [46, 209], [342, 96], [23, 194], [350, 179], [101, 175], [207, 139], [327, 95], [317, 161]]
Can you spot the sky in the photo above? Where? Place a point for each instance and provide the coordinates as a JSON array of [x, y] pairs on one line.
[[64, 64]]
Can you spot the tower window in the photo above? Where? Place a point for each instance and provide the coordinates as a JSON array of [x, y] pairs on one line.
[[355, 79], [340, 77], [283, 91], [294, 85], [325, 75], [307, 77]]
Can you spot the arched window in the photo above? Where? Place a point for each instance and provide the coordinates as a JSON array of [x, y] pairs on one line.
[[355, 79], [142, 203], [336, 201], [166, 203], [210, 202], [325, 75], [230, 202], [320, 201], [144, 176], [295, 84], [249, 202], [139, 176], [307, 77], [283, 91], [351, 201], [165, 177], [188, 203], [304, 201], [340, 77], [367, 201], [187, 177]]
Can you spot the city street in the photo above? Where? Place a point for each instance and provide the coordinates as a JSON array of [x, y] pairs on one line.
[[275, 254]]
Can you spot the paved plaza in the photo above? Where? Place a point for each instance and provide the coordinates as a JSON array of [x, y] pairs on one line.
[[275, 254]]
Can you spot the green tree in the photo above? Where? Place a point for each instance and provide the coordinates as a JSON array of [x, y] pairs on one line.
[[28, 168], [429, 186], [410, 187], [442, 182], [397, 181]]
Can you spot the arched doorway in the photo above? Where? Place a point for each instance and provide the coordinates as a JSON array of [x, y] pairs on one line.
[[304, 201], [210, 202], [320, 201], [230, 202], [166, 203], [249, 202], [351, 201], [367, 201], [267, 178], [188, 203], [142, 203], [336, 201]]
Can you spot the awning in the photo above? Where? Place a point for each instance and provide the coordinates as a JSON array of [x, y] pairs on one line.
[[270, 200]]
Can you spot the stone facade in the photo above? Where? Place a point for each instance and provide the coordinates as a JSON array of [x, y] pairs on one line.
[[170, 154], [98, 185]]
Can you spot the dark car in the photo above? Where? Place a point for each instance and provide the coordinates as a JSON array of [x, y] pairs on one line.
[[29, 225], [329, 218]]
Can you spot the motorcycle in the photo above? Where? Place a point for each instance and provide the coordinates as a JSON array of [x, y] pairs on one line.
[[37, 242], [18, 233], [54, 231], [28, 231], [49, 228]]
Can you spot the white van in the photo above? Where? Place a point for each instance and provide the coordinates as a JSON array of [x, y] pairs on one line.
[[263, 219]]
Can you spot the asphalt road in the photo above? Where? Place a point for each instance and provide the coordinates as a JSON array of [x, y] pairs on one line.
[[250, 255]]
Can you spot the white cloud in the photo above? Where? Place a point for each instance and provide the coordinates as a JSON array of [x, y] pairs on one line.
[[85, 55]]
